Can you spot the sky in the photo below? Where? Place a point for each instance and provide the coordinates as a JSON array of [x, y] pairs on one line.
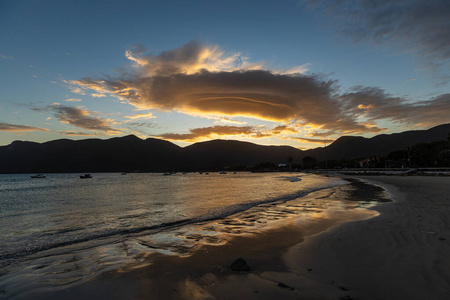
[[299, 73]]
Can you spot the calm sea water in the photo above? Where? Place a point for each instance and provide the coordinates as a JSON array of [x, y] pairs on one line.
[[64, 230]]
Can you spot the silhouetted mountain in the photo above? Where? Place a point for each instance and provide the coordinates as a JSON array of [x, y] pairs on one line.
[[91, 155], [347, 147], [131, 153], [218, 154]]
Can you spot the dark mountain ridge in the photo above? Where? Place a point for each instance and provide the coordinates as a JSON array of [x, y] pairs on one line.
[[221, 153], [130, 153], [347, 147]]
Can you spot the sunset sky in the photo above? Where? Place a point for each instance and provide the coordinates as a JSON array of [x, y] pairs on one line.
[[299, 73]]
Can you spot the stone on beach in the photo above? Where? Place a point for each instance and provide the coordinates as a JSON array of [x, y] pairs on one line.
[[240, 265]]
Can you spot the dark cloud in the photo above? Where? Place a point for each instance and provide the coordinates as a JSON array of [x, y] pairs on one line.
[[422, 27], [323, 134], [19, 128], [374, 104], [314, 141], [79, 117], [142, 124]]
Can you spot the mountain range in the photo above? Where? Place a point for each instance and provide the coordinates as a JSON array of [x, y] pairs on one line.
[[130, 153]]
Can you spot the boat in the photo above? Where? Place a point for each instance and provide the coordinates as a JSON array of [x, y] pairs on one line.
[[222, 172], [167, 174], [85, 176], [38, 176], [124, 173]]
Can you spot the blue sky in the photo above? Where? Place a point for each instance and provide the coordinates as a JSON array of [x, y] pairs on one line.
[[271, 72]]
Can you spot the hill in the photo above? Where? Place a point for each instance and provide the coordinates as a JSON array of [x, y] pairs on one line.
[[91, 155], [347, 147], [130, 153], [218, 154]]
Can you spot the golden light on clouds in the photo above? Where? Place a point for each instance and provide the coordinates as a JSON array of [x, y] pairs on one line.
[[98, 95], [203, 80], [248, 132], [141, 116]]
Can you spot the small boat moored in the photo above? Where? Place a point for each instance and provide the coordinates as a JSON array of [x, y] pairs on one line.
[[38, 176], [85, 176]]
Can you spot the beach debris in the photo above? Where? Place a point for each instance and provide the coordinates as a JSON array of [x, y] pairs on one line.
[[346, 298], [285, 286], [309, 270], [441, 239], [240, 265], [343, 288]]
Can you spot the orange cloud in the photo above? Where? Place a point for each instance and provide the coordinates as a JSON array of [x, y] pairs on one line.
[[19, 128], [284, 129], [198, 134], [203, 80], [209, 132]]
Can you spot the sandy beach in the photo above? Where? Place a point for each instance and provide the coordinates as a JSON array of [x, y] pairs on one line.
[[396, 250], [401, 254]]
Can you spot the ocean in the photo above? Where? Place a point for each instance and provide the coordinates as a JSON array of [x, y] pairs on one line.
[[61, 230]]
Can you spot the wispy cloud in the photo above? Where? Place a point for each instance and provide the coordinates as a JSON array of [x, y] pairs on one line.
[[73, 100], [220, 120], [313, 141], [142, 124], [77, 133], [79, 117], [415, 26], [19, 128], [141, 116], [4, 56], [98, 95]]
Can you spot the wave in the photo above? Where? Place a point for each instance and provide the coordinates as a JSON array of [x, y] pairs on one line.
[[67, 237]]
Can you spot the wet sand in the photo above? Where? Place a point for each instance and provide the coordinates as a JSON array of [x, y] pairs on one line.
[[398, 250], [404, 253]]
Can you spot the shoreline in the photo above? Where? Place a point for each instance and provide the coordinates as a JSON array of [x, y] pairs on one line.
[[353, 256], [401, 254]]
